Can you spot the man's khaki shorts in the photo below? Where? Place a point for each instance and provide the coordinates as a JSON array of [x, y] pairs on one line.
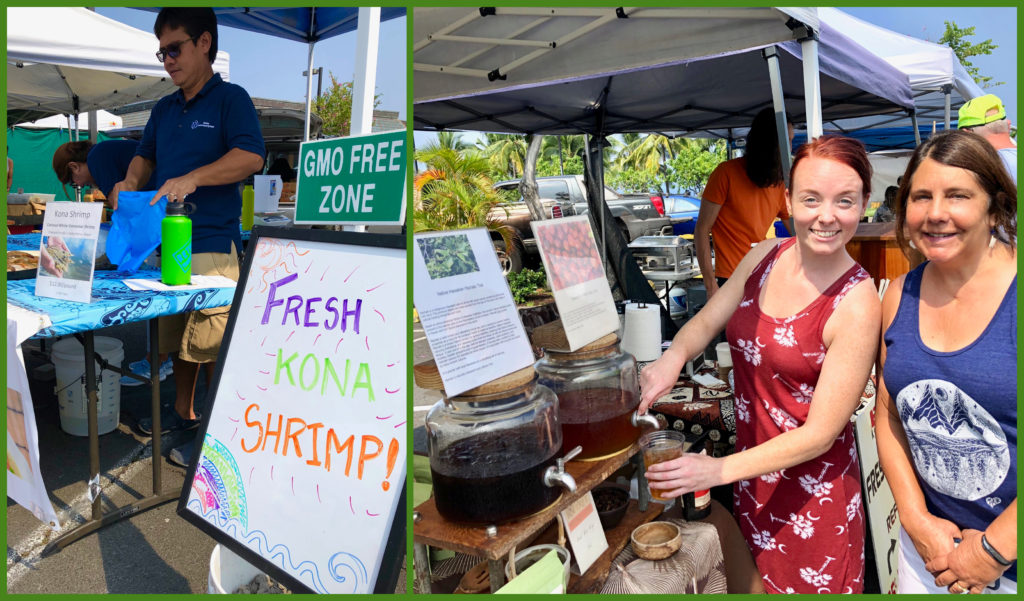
[[196, 336]]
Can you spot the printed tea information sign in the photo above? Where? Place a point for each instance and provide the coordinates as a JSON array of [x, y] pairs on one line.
[[577, 279], [67, 253], [302, 464], [466, 309]]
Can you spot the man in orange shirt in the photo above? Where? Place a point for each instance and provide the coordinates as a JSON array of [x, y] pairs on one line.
[[740, 202]]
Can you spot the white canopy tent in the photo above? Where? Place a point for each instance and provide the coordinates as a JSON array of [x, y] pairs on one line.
[[104, 121], [71, 60], [938, 81]]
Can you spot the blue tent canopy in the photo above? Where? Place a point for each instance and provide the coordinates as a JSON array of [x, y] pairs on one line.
[[881, 138], [296, 24]]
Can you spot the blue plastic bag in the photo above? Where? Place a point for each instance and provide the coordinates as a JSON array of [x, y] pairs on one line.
[[135, 229]]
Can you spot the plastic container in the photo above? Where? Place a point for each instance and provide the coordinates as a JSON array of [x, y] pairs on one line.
[[597, 392], [531, 555], [490, 449], [228, 571], [101, 241], [69, 361], [677, 303], [176, 245]]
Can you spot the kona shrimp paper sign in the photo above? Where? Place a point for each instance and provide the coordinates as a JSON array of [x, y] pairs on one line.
[[302, 464], [577, 279]]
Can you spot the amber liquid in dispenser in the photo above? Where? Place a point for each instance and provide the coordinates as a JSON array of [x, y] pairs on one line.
[[493, 485], [597, 419]]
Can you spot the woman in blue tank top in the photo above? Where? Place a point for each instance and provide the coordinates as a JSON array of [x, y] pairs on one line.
[[947, 427]]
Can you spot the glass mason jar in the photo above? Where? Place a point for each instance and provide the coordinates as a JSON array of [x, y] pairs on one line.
[[597, 392], [490, 448]]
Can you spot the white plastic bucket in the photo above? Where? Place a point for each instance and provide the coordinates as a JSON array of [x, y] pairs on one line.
[[69, 362], [228, 571]]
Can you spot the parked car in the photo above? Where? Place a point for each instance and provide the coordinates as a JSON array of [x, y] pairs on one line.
[[679, 208], [556, 202]]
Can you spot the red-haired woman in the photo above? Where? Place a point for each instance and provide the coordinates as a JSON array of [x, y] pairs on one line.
[[800, 316]]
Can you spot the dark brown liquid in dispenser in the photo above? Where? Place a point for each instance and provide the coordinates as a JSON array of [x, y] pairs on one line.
[[597, 419], [495, 482]]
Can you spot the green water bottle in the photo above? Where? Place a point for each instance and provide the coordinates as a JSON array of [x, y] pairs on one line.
[[176, 245], [248, 202]]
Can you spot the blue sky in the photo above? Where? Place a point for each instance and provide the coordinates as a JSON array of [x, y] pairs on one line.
[[997, 24], [270, 67], [927, 23]]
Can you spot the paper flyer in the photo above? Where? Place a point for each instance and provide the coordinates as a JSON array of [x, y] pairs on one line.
[[466, 309], [67, 253], [24, 480], [576, 274]]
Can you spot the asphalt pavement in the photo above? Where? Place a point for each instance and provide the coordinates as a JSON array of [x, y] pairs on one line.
[[423, 399], [152, 552]]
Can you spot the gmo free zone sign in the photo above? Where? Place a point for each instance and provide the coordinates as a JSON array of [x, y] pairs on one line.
[[359, 180]]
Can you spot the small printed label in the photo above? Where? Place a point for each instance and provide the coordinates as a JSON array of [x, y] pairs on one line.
[[183, 257]]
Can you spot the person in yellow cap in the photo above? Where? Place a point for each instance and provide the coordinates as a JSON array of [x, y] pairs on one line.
[[986, 117]]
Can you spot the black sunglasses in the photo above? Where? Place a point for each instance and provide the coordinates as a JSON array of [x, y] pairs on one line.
[[172, 50]]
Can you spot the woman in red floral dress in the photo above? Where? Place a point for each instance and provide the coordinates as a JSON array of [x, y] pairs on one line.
[[801, 318]]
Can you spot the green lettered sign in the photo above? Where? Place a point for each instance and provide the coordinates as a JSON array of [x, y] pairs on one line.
[[359, 180]]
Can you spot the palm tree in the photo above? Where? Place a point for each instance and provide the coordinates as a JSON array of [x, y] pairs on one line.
[[648, 153], [456, 191], [451, 139], [506, 153], [559, 148]]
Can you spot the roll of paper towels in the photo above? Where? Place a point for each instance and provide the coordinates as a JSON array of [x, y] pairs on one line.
[[641, 336]]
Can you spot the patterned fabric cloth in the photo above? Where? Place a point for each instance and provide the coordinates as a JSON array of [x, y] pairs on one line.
[[804, 524]]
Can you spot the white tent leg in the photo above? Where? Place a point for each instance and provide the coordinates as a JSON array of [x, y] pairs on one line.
[[309, 90], [812, 87], [771, 55], [367, 42], [365, 83], [917, 132]]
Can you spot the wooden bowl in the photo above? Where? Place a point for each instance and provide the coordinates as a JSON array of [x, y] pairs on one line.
[[656, 540]]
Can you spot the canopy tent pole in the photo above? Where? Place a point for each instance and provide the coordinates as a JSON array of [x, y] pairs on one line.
[[367, 42], [946, 92], [309, 91], [812, 85], [771, 56], [93, 127], [365, 80], [917, 132]]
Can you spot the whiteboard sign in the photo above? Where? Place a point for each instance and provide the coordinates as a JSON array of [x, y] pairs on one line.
[[302, 466]]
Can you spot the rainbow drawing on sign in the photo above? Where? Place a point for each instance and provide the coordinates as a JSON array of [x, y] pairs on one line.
[[218, 484]]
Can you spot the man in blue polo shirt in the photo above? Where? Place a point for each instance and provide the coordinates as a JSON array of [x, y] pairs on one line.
[[199, 143]]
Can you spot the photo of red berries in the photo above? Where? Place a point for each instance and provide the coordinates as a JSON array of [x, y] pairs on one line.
[[570, 252]]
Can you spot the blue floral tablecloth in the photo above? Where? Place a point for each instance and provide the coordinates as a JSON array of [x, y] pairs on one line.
[[30, 241], [113, 303]]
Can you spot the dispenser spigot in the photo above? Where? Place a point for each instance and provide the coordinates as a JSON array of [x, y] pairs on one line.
[[646, 419], [556, 475]]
